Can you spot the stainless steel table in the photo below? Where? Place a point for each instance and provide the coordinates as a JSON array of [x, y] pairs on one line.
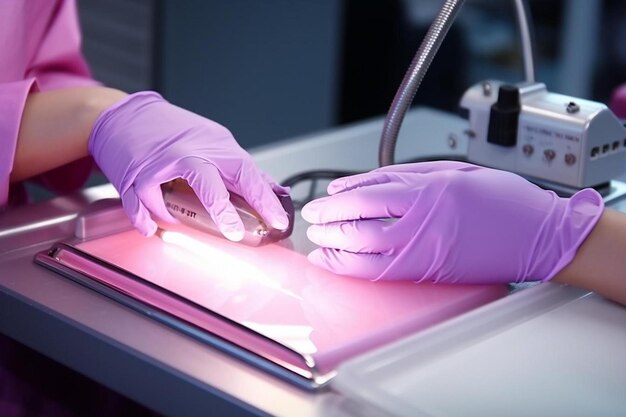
[[158, 367]]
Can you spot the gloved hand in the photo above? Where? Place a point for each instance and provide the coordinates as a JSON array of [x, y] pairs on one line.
[[451, 222], [144, 141]]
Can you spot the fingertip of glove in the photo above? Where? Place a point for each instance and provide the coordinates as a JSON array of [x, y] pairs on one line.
[[591, 196], [315, 234], [316, 258], [280, 221], [280, 190], [147, 229], [336, 186], [234, 235], [307, 214], [275, 215], [311, 211]]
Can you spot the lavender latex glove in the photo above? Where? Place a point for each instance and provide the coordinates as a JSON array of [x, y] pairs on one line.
[[144, 141], [452, 222]]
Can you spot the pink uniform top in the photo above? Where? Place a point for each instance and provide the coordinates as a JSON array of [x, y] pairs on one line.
[[40, 51]]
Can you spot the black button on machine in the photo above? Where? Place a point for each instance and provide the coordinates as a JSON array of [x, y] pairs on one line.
[[504, 117]]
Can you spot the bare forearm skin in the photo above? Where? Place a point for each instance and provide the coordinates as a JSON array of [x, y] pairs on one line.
[[600, 264], [55, 128]]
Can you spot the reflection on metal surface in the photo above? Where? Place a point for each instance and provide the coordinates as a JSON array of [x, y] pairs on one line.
[[267, 305], [36, 225], [221, 262], [181, 314], [297, 336]]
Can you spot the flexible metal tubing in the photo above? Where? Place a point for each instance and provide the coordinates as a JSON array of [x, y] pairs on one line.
[[422, 60], [525, 31]]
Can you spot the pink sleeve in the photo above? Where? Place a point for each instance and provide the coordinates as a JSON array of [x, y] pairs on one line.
[[12, 99], [59, 63]]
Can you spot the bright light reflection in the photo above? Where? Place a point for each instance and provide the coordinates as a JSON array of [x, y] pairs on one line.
[[223, 263], [295, 336], [37, 225]]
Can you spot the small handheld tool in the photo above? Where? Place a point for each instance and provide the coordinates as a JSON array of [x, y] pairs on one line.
[[182, 203]]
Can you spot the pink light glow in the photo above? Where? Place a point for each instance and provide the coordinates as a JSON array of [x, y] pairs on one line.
[[276, 292]]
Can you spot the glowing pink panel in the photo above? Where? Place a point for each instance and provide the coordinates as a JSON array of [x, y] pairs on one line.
[[276, 292]]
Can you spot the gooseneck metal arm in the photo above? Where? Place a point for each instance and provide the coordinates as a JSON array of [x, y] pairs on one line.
[[422, 60]]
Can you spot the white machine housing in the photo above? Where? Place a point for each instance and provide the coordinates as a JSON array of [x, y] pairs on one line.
[[560, 139]]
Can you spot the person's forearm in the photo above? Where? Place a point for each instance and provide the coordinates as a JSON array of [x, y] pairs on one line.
[[600, 264], [55, 128]]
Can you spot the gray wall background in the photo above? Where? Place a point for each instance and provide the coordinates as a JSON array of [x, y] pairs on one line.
[[267, 70], [120, 41], [272, 69]]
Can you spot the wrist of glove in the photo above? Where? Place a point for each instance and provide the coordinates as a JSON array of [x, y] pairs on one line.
[[447, 222], [144, 141]]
